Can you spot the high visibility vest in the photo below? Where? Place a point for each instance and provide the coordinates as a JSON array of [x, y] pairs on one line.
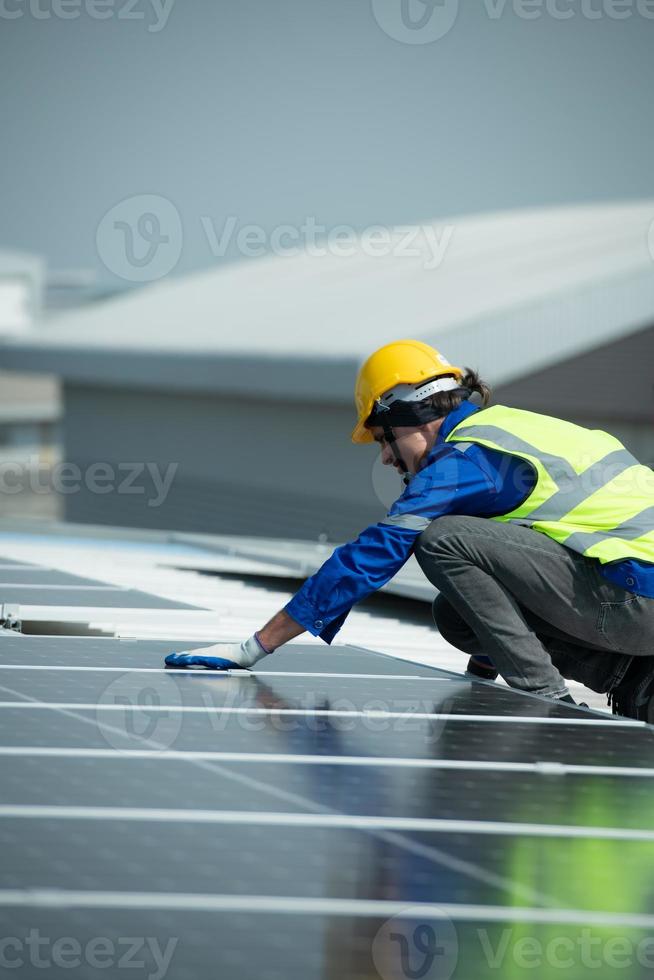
[[591, 494]]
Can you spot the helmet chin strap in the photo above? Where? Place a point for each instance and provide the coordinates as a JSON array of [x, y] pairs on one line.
[[389, 436]]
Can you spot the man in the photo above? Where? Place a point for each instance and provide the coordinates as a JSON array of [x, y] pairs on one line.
[[537, 533]]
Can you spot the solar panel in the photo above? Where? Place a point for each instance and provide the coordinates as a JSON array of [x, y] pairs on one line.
[[110, 652], [336, 813], [89, 596], [34, 585]]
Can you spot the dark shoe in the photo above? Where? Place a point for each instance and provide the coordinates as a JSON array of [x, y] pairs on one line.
[[568, 699], [485, 672], [633, 697]]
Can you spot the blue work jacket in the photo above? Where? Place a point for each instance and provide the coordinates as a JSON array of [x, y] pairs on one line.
[[481, 482]]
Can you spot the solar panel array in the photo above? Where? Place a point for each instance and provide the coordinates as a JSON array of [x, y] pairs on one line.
[[336, 813]]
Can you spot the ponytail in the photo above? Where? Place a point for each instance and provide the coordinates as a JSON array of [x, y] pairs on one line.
[[475, 385], [471, 384]]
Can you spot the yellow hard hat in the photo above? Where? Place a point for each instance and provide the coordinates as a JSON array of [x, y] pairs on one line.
[[401, 362]]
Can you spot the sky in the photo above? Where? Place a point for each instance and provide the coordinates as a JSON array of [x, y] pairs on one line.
[[134, 122]]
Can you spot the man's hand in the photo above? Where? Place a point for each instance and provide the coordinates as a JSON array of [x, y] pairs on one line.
[[232, 656], [278, 630], [221, 656]]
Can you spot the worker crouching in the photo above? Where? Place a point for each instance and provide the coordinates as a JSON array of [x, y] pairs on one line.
[[537, 533]]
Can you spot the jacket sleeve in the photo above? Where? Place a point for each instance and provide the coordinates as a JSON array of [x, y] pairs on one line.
[[453, 482], [353, 572]]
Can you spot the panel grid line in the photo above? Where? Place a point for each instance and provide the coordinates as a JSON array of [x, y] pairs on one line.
[[301, 905], [376, 714], [338, 821]]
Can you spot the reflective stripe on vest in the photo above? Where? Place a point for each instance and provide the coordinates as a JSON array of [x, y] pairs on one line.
[[591, 494]]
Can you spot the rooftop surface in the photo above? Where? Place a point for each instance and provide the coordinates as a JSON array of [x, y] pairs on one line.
[[325, 815], [236, 583]]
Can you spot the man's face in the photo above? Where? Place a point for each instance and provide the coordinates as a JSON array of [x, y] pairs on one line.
[[412, 443]]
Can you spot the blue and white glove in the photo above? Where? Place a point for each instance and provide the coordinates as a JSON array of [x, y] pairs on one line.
[[221, 656]]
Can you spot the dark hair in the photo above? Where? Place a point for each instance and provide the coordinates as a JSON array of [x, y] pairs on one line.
[[447, 401]]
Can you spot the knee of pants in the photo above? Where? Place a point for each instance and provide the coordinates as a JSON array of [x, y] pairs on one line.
[[436, 539]]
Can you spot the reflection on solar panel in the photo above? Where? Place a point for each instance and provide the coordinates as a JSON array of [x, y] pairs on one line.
[[337, 813]]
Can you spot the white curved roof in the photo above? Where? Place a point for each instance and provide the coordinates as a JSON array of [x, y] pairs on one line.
[[515, 291]]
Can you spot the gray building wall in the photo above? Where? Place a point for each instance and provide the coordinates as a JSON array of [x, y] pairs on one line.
[[609, 388], [255, 467], [282, 469]]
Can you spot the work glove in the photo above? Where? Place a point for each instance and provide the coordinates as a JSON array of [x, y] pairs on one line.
[[221, 656]]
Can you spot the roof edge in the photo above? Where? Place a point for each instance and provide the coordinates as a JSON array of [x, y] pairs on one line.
[[202, 372]]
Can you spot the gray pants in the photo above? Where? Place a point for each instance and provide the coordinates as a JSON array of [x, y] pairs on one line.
[[540, 611]]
